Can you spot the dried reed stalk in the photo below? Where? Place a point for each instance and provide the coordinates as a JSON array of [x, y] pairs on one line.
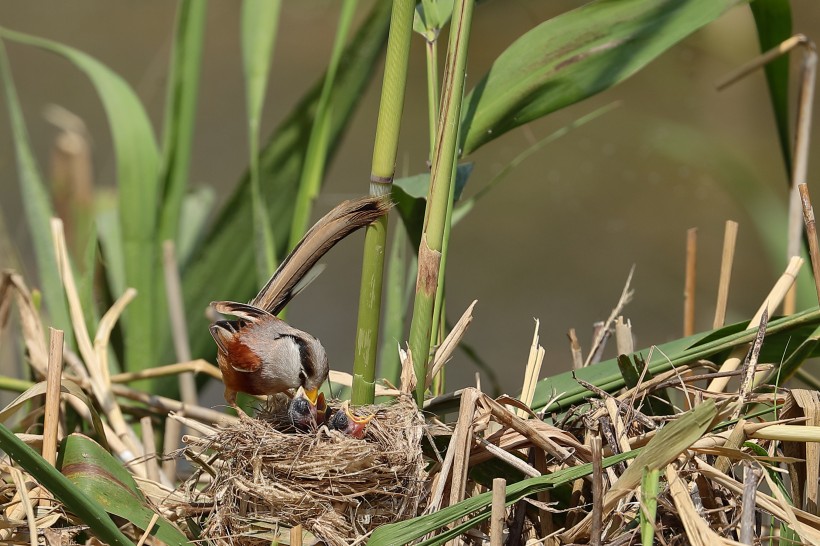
[[533, 370], [499, 512], [771, 303], [811, 235], [726, 261], [691, 281]]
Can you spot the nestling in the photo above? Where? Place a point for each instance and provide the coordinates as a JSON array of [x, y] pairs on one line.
[[261, 354]]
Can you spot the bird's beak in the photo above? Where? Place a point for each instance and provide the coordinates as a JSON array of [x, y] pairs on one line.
[[356, 425], [312, 395], [302, 410], [322, 412]]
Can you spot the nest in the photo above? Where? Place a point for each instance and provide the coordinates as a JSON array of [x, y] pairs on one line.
[[267, 476]]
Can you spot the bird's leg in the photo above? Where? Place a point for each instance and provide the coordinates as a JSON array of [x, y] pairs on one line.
[[230, 398]]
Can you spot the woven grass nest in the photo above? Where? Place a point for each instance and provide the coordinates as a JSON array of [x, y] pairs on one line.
[[267, 477]]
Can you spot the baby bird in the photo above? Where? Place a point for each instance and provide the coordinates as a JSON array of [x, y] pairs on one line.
[[260, 354]]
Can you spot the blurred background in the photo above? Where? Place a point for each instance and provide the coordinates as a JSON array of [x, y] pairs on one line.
[[554, 241]]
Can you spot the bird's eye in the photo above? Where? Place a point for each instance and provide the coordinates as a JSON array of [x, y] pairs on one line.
[[302, 376]]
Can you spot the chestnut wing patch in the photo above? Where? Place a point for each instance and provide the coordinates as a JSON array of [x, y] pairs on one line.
[[240, 357]]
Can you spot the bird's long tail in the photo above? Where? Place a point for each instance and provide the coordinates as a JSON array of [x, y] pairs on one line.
[[337, 224]]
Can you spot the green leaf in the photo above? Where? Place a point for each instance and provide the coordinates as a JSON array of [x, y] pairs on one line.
[[139, 198], [478, 506], [649, 505], [180, 114], [784, 336], [773, 19], [260, 20], [89, 511], [313, 170], [98, 476], [67, 387], [281, 162], [574, 56], [197, 208], [431, 16], [395, 308], [37, 207], [410, 196]]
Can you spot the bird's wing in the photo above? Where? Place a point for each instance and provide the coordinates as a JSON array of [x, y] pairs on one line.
[[244, 311]]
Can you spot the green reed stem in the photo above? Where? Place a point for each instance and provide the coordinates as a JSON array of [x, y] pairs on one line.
[[381, 178], [439, 196]]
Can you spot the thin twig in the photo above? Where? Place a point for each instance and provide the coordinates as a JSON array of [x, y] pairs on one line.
[[179, 328], [600, 338]]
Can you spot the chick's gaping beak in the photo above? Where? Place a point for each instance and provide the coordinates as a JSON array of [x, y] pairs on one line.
[[302, 410], [346, 421]]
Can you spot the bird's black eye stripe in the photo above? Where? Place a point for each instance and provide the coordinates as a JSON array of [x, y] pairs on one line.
[[305, 358]]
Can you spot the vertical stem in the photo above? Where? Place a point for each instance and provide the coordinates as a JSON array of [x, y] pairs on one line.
[[811, 234], [51, 419], [689, 290], [441, 178], [432, 88], [729, 240], [381, 177], [499, 512]]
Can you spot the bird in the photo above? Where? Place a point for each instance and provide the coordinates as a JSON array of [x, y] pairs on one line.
[[260, 354], [346, 422], [304, 415]]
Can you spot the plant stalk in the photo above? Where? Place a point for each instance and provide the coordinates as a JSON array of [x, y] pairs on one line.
[[441, 178], [381, 179]]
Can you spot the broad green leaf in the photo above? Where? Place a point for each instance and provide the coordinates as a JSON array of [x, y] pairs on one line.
[[89, 511], [796, 359], [783, 338], [574, 56], [208, 277], [37, 207], [97, 475], [313, 170], [395, 308], [260, 21], [67, 387], [666, 446], [180, 114], [139, 196], [606, 375], [773, 19], [410, 196], [110, 234], [197, 208], [477, 507]]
